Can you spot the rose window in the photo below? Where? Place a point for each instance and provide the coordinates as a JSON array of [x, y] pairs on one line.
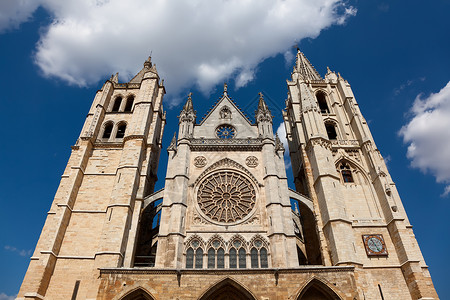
[[225, 132], [226, 196]]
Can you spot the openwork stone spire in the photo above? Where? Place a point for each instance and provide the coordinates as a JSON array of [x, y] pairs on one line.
[[305, 68], [263, 113], [188, 114]]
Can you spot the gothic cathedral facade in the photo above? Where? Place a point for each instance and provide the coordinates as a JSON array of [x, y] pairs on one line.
[[223, 226]]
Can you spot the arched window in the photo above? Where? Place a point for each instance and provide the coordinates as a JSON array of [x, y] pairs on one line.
[[190, 258], [233, 258], [242, 258], [331, 131], [254, 257], [129, 104], [108, 130], [220, 258], [121, 131], [263, 256], [117, 103], [199, 258], [346, 172], [211, 258], [323, 106]]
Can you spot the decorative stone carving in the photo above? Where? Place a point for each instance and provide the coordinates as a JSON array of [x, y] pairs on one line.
[[200, 161], [225, 113], [251, 161], [226, 196]]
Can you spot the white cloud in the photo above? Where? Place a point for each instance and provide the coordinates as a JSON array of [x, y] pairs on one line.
[[428, 136], [3, 296], [15, 12], [21, 252], [193, 42]]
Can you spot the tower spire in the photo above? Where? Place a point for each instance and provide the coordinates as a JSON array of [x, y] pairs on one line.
[[305, 68]]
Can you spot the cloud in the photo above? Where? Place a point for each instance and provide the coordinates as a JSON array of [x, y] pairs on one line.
[[428, 136], [3, 296], [24, 253], [15, 12], [199, 43], [408, 83]]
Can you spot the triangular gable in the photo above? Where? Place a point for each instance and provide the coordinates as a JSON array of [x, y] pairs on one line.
[[217, 116], [219, 104]]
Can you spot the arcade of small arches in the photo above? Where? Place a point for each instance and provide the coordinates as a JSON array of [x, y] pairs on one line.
[[236, 253], [229, 289]]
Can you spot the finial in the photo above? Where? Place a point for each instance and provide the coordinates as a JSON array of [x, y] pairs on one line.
[[296, 208], [328, 70], [261, 97], [148, 62], [190, 96], [225, 88]]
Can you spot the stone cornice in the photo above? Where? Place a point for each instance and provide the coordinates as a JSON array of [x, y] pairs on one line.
[[217, 144], [301, 269]]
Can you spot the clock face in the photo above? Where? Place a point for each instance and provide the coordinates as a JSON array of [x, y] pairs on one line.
[[374, 244]]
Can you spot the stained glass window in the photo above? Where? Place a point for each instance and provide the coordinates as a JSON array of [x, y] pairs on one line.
[[220, 258], [242, 258], [199, 258], [263, 256], [233, 262], [254, 257], [211, 258], [190, 258]]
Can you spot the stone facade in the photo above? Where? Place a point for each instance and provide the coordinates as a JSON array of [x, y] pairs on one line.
[[223, 227]]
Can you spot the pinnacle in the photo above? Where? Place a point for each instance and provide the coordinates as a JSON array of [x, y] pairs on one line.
[[305, 68]]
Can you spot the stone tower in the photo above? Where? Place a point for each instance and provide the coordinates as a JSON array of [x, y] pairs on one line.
[[226, 225], [112, 167], [359, 216]]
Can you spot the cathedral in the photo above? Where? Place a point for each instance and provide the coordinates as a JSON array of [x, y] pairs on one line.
[[226, 225]]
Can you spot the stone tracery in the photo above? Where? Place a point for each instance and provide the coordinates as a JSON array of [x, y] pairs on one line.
[[226, 196]]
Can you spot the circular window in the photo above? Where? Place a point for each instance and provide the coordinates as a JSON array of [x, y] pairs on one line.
[[226, 197], [225, 131]]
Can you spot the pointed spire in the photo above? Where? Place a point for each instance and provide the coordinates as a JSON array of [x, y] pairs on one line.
[[173, 143], [263, 114], [148, 63], [305, 68], [188, 113], [262, 104], [188, 106]]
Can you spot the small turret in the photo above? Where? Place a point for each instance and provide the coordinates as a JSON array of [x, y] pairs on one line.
[[263, 118], [187, 118]]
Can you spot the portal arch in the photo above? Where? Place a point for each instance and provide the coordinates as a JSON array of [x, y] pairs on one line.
[[137, 294], [227, 289], [317, 289]]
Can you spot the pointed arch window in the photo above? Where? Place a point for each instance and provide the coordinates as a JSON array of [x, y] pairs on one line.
[[190, 258], [199, 258], [346, 173], [263, 257], [220, 258], [107, 131], [116, 105], [121, 131], [129, 105], [211, 258], [254, 258], [331, 131], [322, 101], [233, 258], [242, 258]]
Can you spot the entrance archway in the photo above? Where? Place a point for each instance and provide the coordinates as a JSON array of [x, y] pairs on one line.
[[227, 289], [137, 294], [317, 290]]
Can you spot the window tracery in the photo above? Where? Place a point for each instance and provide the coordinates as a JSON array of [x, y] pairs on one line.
[[226, 196], [346, 172]]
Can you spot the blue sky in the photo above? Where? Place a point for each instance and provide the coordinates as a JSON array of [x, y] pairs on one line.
[[54, 56]]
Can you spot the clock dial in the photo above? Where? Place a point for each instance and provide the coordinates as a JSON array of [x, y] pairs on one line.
[[374, 244]]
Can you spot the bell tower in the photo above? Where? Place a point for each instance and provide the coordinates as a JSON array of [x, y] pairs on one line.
[[360, 219], [113, 166]]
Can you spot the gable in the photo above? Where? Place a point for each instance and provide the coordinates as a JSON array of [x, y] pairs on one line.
[[225, 112]]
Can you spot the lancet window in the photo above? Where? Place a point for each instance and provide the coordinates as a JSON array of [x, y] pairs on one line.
[[346, 172]]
